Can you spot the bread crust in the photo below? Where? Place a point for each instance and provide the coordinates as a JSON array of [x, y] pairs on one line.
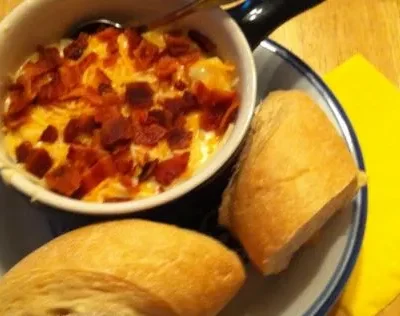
[[154, 269], [294, 173]]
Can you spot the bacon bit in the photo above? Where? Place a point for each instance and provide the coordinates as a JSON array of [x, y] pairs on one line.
[[134, 40], [87, 124], [13, 122], [179, 138], [70, 76], [76, 49], [148, 170], [51, 55], [166, 67], [211, 118], [169, 170], [148, 135], [110, 36], [86, 62], [127, 182], [102, 170], [83, 156], [49, 135], [64, 179], [51, 91], [139, 95], [115, 131], [159, 117], [38, 162], [102, 82], [181, 105], [229, 117], [145, 55], [180, 85], [177, 45], [87, 94], [190, 58], [209, 98], [203, 41], [18, 101], [71, 131], [23, 150], [106, 113], [123, 160]]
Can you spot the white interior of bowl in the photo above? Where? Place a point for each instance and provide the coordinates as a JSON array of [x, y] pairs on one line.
[[45, 21]]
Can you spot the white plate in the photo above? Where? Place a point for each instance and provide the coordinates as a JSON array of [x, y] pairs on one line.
[[317, 274]]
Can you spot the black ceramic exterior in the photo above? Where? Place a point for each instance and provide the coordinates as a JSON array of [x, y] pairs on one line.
[[259, 18]]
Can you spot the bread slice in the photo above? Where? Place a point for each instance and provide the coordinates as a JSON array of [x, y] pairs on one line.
[[294, 173], [130, 267]]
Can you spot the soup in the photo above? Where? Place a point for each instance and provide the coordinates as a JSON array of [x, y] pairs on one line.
[[119, 115]]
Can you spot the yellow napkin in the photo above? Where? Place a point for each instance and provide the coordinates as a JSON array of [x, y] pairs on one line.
[[373, 106]]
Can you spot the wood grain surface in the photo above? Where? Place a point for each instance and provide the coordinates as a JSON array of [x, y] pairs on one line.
[[327, 35]]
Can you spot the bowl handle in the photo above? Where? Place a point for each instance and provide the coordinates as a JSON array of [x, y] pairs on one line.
[[259, 18]]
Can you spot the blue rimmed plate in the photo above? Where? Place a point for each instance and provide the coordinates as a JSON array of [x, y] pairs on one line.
[[316, 275]]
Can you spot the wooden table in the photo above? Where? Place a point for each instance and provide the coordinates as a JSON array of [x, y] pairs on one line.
[[329, 34]]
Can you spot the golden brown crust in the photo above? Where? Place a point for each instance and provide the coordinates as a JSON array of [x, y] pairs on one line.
[[294, 174], [184, 272]]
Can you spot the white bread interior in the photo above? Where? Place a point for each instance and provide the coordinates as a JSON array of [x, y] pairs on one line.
[[130, 267], [295, 172]]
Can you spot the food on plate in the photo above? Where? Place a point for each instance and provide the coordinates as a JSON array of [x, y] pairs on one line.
[[120, 115], [295, 172], [129, 267]]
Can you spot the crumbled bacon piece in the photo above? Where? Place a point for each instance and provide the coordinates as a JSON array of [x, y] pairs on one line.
[[127, 182], [202, 41], [179, 138], [64, 179], [139, 95], [51, 55], [102, 82], [76, 49], [51, 91], [229, 117], [211, 118], [87, 124], [181, 105], [148, 135], [116, 131], [70, 76], [84, 156], [169, 170], [38, 162], [145, 55], [110, 36], [159, 117], [190, 58], [102, 170], [23, 150], [87, 94], [106, 113], [148, 170], [87, 61], [166, 67], [18, 101], [177, 45], [13, 122], [209, 98], [123, 160], [134, 40], [49, 135], [71, 131], [180, 85]]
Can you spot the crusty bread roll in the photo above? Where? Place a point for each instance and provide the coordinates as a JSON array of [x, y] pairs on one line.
[[130, 267], [294, 173]]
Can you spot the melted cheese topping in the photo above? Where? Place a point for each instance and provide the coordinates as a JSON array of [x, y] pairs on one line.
[[212, 71]]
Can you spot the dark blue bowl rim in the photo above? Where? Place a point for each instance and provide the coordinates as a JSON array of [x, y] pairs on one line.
[[333, 289]]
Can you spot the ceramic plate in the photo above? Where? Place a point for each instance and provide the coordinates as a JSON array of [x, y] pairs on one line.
[[316, 275]]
